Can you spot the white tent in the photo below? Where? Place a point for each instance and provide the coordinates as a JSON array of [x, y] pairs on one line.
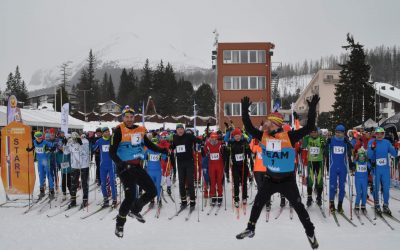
[[368, 124], [41, 118]]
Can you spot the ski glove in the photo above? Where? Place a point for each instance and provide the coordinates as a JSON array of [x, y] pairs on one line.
[[245, 104], [314, 101], [78, 140]]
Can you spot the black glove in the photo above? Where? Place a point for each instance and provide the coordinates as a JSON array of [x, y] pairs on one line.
[[245, 104], [226, 125], [64, 141], [27, 149], [352, 168], [313, 103], [208, 124], [79, 140]]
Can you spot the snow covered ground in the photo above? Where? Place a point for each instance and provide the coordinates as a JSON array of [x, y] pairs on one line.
[[36, 231]]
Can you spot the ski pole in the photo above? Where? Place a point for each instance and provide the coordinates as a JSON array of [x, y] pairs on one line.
[[224, 192], [197, 188], [29, 188]]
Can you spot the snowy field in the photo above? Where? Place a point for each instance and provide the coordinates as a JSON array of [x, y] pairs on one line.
[[36, 231]]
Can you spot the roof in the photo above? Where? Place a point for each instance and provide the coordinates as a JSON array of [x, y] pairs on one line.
[[109, 101], [41, 92], [41, 118], [388, 91]]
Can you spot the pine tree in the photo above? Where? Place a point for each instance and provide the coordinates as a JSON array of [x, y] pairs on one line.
[[23, 93], [145, 83], [80, 87], [16, 86], [64, 98], [184, 98], [110, 89], [205, 100], [127, 87], [9, 83], [103, 89], [353, 88]]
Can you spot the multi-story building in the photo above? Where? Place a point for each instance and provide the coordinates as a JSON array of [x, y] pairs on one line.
[[243, 69]]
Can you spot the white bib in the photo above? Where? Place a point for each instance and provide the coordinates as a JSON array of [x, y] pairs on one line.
[[259, 155], [136, 139], [338, 150], [64, 165], [362, 168], [239, 157], [314, 150], [214, 156], [39, 150], [181, 149], [274, 145], [105, 148], [381, 162], [153, 157]]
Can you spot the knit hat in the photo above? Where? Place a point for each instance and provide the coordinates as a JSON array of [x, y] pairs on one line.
[[236, 131], [379, 130], [214, 135], [179, 125], [104, 129], [276, 118], [127, 110], [340, 128], [38, 134]]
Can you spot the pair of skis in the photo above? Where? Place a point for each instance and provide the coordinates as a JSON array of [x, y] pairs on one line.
[[343, 216], [211, 210], [191, 209], [280, 212]]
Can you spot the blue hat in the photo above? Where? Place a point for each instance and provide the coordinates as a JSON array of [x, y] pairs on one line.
[[104, 129], [340, 128]]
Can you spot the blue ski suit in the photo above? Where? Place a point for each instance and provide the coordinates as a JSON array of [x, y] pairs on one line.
[[41, 152], [339, 149], [107, 167], [154, 167], [361, 182], [379, 158]]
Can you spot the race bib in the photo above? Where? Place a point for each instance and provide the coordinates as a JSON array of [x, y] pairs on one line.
[[338, 150], [381, 162], [154, 157], [362, 168], [274, 145], [214, 156], [239, 157], [181, 149], [314, 150], [64, 165], [105, 148], [136, 139], [39, 150], [259, 155]]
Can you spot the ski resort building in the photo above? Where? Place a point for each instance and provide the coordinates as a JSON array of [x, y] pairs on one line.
[[243, 69]]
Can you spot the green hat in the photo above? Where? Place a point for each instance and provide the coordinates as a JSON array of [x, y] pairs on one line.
[[104, 129], [379, 130], [179, 125], [38, 134], [154, 140]]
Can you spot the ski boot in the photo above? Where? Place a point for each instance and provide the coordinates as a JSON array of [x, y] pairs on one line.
[[183, 204], [72, 204], [64, 197], [192, 204], [169, 190], [378, 210], [363, 209], [219, 201], [386, 210], [283, 202], [119, 227], [152, 204], [236, 202], [51, 194], [249, 232], [357, 209], [319, 201], [332, 206], [84, 204], [105, 203], [213, 201], [340, 207], [309, 201], [41, 194], [114, 204], [313, 241]]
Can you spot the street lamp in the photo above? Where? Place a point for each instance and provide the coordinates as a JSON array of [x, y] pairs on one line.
[[84, 99]]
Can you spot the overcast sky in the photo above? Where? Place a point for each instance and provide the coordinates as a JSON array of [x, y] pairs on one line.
[[40, 33]]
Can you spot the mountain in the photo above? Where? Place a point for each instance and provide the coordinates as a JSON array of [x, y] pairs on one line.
[[122, 50]]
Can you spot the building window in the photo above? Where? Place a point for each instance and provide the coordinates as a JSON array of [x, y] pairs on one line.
[[258, 109], [253, 56], [244, 82], [227, 56], [227, 83], [232, 109], [244, 56]]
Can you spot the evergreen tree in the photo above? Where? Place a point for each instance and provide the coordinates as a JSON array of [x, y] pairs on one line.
[[205, 100], [16, 86], [103, 89], [127, 87], [82, 85], [9, 83], [110, 89], [23, 93], [145, 83], [184, 98], [353, 88]]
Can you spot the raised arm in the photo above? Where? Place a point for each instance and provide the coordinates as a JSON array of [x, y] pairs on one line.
[[254, 132]]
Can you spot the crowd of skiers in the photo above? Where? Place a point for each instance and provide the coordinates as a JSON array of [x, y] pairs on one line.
[[272, 156]]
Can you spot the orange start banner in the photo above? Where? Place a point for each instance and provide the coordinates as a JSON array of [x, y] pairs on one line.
[[17, 165]]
